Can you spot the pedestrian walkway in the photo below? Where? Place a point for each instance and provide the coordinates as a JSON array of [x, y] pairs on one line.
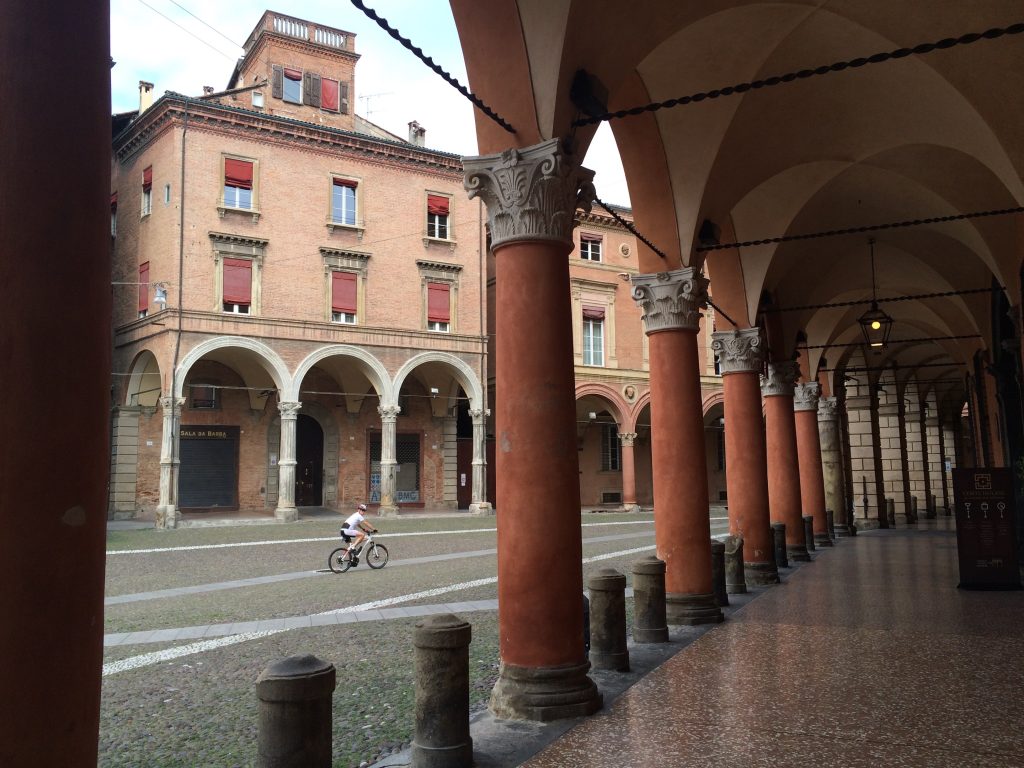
[[870, 656]]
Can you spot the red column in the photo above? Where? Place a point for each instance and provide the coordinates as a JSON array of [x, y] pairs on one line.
[[783, 472], [540, 584], [56, 350], [808, 444], [628, 472], [671, 302], [741, 359]]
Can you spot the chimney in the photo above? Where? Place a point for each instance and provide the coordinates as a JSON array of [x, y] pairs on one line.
[[145, 96], [417, 134], [207, 90]]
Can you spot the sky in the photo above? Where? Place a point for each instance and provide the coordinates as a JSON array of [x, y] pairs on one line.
[[163, 42]]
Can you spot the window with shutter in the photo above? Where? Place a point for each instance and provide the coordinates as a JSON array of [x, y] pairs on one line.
[[147, 190], [144, 289], [292, 85], [439, 307], [237, 285], [277, 82], [344, 98], [590, 247], [437, 216], [311, 89], [329, 94], [343, 201], [344, 297], [238, 180]]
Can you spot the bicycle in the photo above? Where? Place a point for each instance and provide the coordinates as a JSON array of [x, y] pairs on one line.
[[341, 560]]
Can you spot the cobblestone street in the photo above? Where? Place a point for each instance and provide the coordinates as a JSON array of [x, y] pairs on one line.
[[194, 615]]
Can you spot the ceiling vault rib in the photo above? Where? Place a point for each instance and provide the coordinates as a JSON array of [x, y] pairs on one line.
[[912, 297], [803, 74]]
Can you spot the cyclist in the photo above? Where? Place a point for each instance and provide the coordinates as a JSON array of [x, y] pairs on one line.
[[356, 527]]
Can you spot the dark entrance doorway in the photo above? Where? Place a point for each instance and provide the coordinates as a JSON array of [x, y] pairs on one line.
[[208, 472], [464, 455], [309, 469]]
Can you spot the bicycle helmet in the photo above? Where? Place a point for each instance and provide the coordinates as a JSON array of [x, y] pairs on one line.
[[361, 507]]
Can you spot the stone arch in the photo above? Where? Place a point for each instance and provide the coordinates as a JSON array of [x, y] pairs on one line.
[[145, 384], [461, 370], [711, 400], [608, 393], [263, 363], [368, 365]]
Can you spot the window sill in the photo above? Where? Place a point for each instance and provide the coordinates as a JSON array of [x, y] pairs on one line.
[[333, 225], [428, 241], [223, 210]]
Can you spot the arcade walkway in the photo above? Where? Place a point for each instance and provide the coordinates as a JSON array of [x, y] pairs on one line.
[[868, 657]]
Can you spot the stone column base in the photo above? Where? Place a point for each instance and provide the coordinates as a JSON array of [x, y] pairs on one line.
[[761, 574], [822, 540], [798, 553], [286, 514], [387, 511], [842, 529], [692, 609], [544, 694], [631, 508], [168, 517], [481, 508], [867, 524], [902, 519]]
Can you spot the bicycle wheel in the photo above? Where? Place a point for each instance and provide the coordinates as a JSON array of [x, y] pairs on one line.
[[337, 562], [377, 556]]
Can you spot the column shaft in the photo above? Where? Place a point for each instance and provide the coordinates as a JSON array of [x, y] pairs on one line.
[[478, 499], [286, 511], [167, 514], [627, 440], [784, 500], [832, 464], [747, 474], [388, 462], [808, 444]]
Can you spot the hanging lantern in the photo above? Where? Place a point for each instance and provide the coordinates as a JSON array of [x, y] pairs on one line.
[[875, 324]]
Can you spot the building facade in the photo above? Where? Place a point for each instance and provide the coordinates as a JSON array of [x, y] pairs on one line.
[[298, 298]]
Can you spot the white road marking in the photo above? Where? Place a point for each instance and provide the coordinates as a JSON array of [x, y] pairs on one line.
[[146, 659], [266, 543]]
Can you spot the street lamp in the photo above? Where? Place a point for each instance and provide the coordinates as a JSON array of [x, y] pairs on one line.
[[875, 324]]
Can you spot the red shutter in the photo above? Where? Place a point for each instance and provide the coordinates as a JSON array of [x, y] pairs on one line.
[[438, 303], [343, 292], [329, 94], [237, 173], [113, 202], [143, 286], [585, 236], [238, 281], [593, 313], [345, 182], [437, 204], [293, 74], [147, 178]]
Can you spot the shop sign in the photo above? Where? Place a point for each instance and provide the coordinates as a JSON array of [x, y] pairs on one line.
[[986, 528], [216, 432]]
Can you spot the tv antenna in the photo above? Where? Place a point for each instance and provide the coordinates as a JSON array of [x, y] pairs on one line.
[[366, 101]]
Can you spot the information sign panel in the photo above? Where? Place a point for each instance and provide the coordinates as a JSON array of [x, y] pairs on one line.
[[985, 529]]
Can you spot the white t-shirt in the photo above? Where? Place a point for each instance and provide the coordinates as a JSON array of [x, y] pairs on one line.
[[352, 521]]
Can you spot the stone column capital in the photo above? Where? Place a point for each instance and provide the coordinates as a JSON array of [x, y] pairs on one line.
[[289, 411], [780, 379], [671, 300], [828, 409], [478, 414], [627, 438], [806, 395], [388, 413], [739, 351], [171, 404], [531, 194]]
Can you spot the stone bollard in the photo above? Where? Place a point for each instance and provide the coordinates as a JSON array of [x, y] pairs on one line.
[[890, 511], [294, 717], [441, 739], [809, 532], [649, 623], [735, 578], [913, 509], [718, 573], [779, 533], [608, 620], [830, 518]]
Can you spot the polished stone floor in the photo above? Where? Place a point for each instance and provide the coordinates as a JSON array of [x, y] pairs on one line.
[[870, 656]]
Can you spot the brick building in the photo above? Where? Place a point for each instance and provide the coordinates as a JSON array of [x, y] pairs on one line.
[[298, 290]]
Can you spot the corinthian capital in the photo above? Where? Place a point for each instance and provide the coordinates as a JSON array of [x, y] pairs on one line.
[[740, 351], [671, 300], [828, 409], [171, 404], [780, 379], [388, 412], [805, 396], [532, 193], [289, 410]]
